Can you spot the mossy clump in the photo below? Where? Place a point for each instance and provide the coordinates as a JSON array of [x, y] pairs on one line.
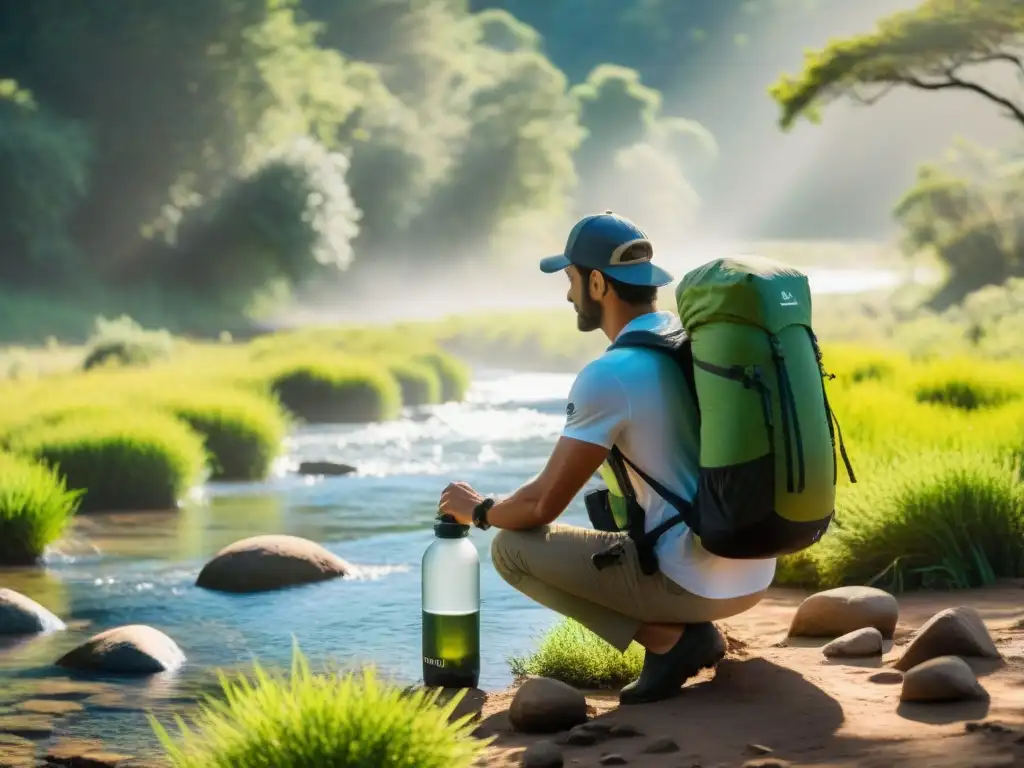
[[455, 375], [307, 720], [353, 391], [242, 432], [573, 654], [121, 460], [35, 509], [420, 382]]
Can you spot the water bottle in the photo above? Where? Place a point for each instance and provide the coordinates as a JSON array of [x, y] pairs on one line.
[[451, 608]]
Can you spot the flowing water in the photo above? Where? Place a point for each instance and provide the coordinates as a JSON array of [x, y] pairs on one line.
[[140, 568]]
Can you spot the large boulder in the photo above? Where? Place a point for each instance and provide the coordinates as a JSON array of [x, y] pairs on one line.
[[262, 563], [952, 632], [946, 678], [20, 615], [134, 649], [835, 612], [544, 705]]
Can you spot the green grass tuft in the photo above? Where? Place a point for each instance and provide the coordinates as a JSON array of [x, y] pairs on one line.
[[968, 384], [338, 393], [308, 720], [573, 654], [455, 375], [123, 460], [420, 382], [242, 431], [35, 509], [934, 520]]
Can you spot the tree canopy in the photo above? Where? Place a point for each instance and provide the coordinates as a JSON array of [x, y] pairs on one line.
[[931, 48], [217, 152]]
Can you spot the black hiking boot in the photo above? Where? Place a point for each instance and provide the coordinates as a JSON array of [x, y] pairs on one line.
[[700, 647]]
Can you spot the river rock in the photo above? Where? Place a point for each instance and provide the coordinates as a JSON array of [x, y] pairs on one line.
[[861, 642], [624, 731], [82, 753], [60, 688], [49, 706], [835, 612], [134, 649], [262, 563], [20, 615], [26, 726], [662, 746], [953, 632], [543, 754], [329, 468], [544, 705], [17, 754], [945, 678], [613, 758], [579, 736]]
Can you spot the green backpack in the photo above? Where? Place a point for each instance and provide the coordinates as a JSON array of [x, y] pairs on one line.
[[752, 365]]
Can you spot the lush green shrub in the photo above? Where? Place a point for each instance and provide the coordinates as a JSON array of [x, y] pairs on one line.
[[349, 391], [242, 432], [936, 519], [420, 383], [966, 386], [308, 720], [455, 375], [123, 459], [125, 342], [35, 509], [853, 365], [573, 654]]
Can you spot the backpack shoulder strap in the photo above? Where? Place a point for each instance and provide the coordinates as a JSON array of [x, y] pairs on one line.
[[674, 344]]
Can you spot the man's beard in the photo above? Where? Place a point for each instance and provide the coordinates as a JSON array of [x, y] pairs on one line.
[[588, 314]]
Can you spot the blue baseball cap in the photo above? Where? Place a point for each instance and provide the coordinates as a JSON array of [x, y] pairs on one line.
[[613, 245]]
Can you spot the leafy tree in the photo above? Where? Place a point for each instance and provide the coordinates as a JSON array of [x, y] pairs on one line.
[[464, 128], [44, 174], [166, 89], [288, 220], [929, 48], [646, 184], [967, 211], [518, 159], [621, 114]]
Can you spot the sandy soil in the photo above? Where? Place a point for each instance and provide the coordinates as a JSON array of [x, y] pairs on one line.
[[811, 711]]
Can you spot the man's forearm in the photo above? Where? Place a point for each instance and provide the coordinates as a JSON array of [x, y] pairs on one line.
[[519, 511]]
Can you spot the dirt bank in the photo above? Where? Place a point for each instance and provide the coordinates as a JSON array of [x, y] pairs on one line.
[[811, 711]]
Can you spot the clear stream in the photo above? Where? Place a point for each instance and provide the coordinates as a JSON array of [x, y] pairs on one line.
[[140, 568]]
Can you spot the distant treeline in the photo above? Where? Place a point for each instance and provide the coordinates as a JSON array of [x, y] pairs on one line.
[[225, 151]]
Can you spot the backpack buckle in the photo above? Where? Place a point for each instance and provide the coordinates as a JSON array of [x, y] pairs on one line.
[[610, 556]]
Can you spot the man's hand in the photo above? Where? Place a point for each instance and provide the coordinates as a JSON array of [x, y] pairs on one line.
[[539, 501], [459, 500]]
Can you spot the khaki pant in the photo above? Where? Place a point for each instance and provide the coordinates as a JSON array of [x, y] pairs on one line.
[[552, 566]]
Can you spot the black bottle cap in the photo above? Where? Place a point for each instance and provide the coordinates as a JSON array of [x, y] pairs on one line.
[[447, 527]]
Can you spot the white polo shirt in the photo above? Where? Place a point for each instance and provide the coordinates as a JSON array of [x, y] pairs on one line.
[[636, 399]]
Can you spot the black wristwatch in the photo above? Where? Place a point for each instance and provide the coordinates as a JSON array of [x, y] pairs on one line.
[[480, 514]]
